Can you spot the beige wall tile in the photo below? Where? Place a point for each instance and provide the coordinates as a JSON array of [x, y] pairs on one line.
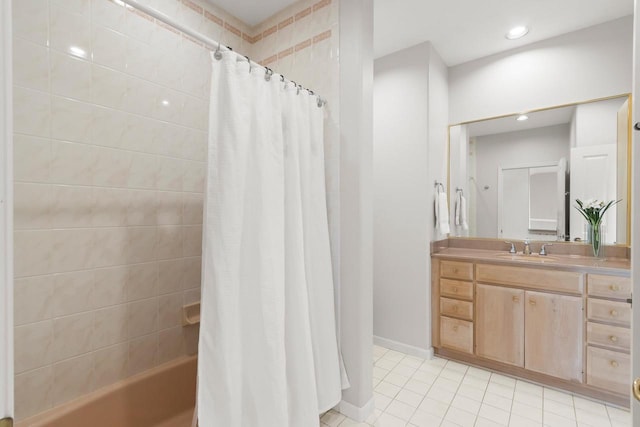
[[170, 242], [73, 292], [141, 246], [70, 76], [192, 245], [169, 208], [72, 206], [70, 120], [192, 208], [32, 299], [111, 246], [110, 207], [30, 65], [72, 163], [31, 112], [143, 353], [32, 206], [33, 392], [33, 252], [73, 249], [142, 317], [170, 310], [110, 365], [31, 21], [143, 281], [171, 344], [33, 345], [72, 336], [110, 286], [171, 274], [72, 378], [110, 326], [108, 48], [31, 158], [143, 207], [193, 273], [69, 30]]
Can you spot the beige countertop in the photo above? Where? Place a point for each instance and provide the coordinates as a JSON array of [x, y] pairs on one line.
[[617, 266]]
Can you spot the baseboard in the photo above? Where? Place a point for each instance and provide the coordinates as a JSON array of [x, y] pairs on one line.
[[404, 348], [356, 413]]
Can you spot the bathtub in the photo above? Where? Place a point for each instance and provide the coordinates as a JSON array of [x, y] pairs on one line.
[[161, 397]]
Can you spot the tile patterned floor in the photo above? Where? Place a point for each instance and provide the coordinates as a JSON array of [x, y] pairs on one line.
[[414, 392]]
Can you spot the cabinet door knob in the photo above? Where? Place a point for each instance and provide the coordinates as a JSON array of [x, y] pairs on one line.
[[455, 271], [455, 328], [614, 288], [455, 290], [614, 364], [515, 299], [455, 308], [532, 302], [613, 338], [613, 313]]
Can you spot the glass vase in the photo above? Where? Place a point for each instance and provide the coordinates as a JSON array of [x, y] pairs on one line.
[[596, 239]]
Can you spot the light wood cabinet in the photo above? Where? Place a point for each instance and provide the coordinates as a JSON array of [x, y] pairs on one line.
[[565, 328], [554, 335], [500, 324]]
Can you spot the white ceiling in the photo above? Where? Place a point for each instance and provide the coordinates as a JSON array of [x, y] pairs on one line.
[[460, 30], [252, 12], [463, 30]]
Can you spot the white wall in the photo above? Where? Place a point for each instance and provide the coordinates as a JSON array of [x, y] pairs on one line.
[[548, 144], [6, 214], [596, 123], [401, 198], [410, 133], [586, 64]]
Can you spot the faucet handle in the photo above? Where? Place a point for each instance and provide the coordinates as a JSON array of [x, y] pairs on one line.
[[513, 248], [543, 249]]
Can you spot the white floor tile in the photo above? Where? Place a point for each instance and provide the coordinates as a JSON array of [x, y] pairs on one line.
[[388, 420], [386, 364], [466, 404], [460, 417], [497, 401], [526, 411], [381, 401], [396, 379], [553, 420], [400, 410], [496, 415], [483, 422], [560, 409], [433, 407], [332, 418], [518, 421], [388, 389], [476, 394], [528, 399], [425, 419], [504, 380], [409, 397], [558, 396], [418, 387], [500, 389]]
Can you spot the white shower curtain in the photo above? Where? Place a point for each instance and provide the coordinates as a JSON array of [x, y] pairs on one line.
[[268, 354]]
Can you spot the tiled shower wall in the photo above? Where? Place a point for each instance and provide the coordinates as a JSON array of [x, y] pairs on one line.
[[110, 146]]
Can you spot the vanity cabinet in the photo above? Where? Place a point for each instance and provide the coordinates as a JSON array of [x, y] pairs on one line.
[[608, 332], [500, 324], [563, 327], [554, 335]]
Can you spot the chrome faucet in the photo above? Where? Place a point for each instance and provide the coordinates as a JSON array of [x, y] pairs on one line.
[[543, 249], [512, 250], [527, 247]]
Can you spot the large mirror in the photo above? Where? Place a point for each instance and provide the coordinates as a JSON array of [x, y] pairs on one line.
[[520, 175]]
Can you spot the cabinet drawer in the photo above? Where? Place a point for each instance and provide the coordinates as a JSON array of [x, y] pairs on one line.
[[535, 278], [609, 286], [456, 270], [609, 370], [609, 311], [608, 335], [456, 289], [456, 334], [456, 308]]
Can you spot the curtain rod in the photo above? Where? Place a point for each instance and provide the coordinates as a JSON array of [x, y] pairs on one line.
[[208, 42]]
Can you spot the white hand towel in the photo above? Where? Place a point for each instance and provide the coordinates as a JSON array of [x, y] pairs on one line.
[[442, 213], [463, 213]]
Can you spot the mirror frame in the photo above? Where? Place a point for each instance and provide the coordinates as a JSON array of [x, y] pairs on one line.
[[589, 101]]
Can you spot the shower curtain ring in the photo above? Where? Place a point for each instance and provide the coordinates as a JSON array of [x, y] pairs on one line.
[[249, 61], [218, 53], [268, 72]]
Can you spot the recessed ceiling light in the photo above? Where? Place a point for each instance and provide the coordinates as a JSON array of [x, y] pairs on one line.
[[165, 102], [517, 32], [522, 117]]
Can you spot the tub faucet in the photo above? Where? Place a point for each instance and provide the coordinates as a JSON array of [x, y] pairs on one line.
[[527, 247]]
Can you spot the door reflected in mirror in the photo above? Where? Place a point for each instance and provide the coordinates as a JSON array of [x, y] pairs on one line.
[[521, 178]]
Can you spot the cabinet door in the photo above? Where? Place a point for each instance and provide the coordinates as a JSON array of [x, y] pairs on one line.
[[500, 324], [554, 335]]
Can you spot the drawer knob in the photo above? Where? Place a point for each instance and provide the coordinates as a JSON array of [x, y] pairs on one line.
[[455, 271], [532, 302], [614, 288], [455, 328], [515, 299], [455, 308], [613, 338], [613, 313], [455, 290], [614, 364]]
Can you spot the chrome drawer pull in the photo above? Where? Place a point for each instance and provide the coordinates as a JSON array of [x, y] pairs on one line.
[[515, 299], [614, 364], [613, 313], [613, 338]]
